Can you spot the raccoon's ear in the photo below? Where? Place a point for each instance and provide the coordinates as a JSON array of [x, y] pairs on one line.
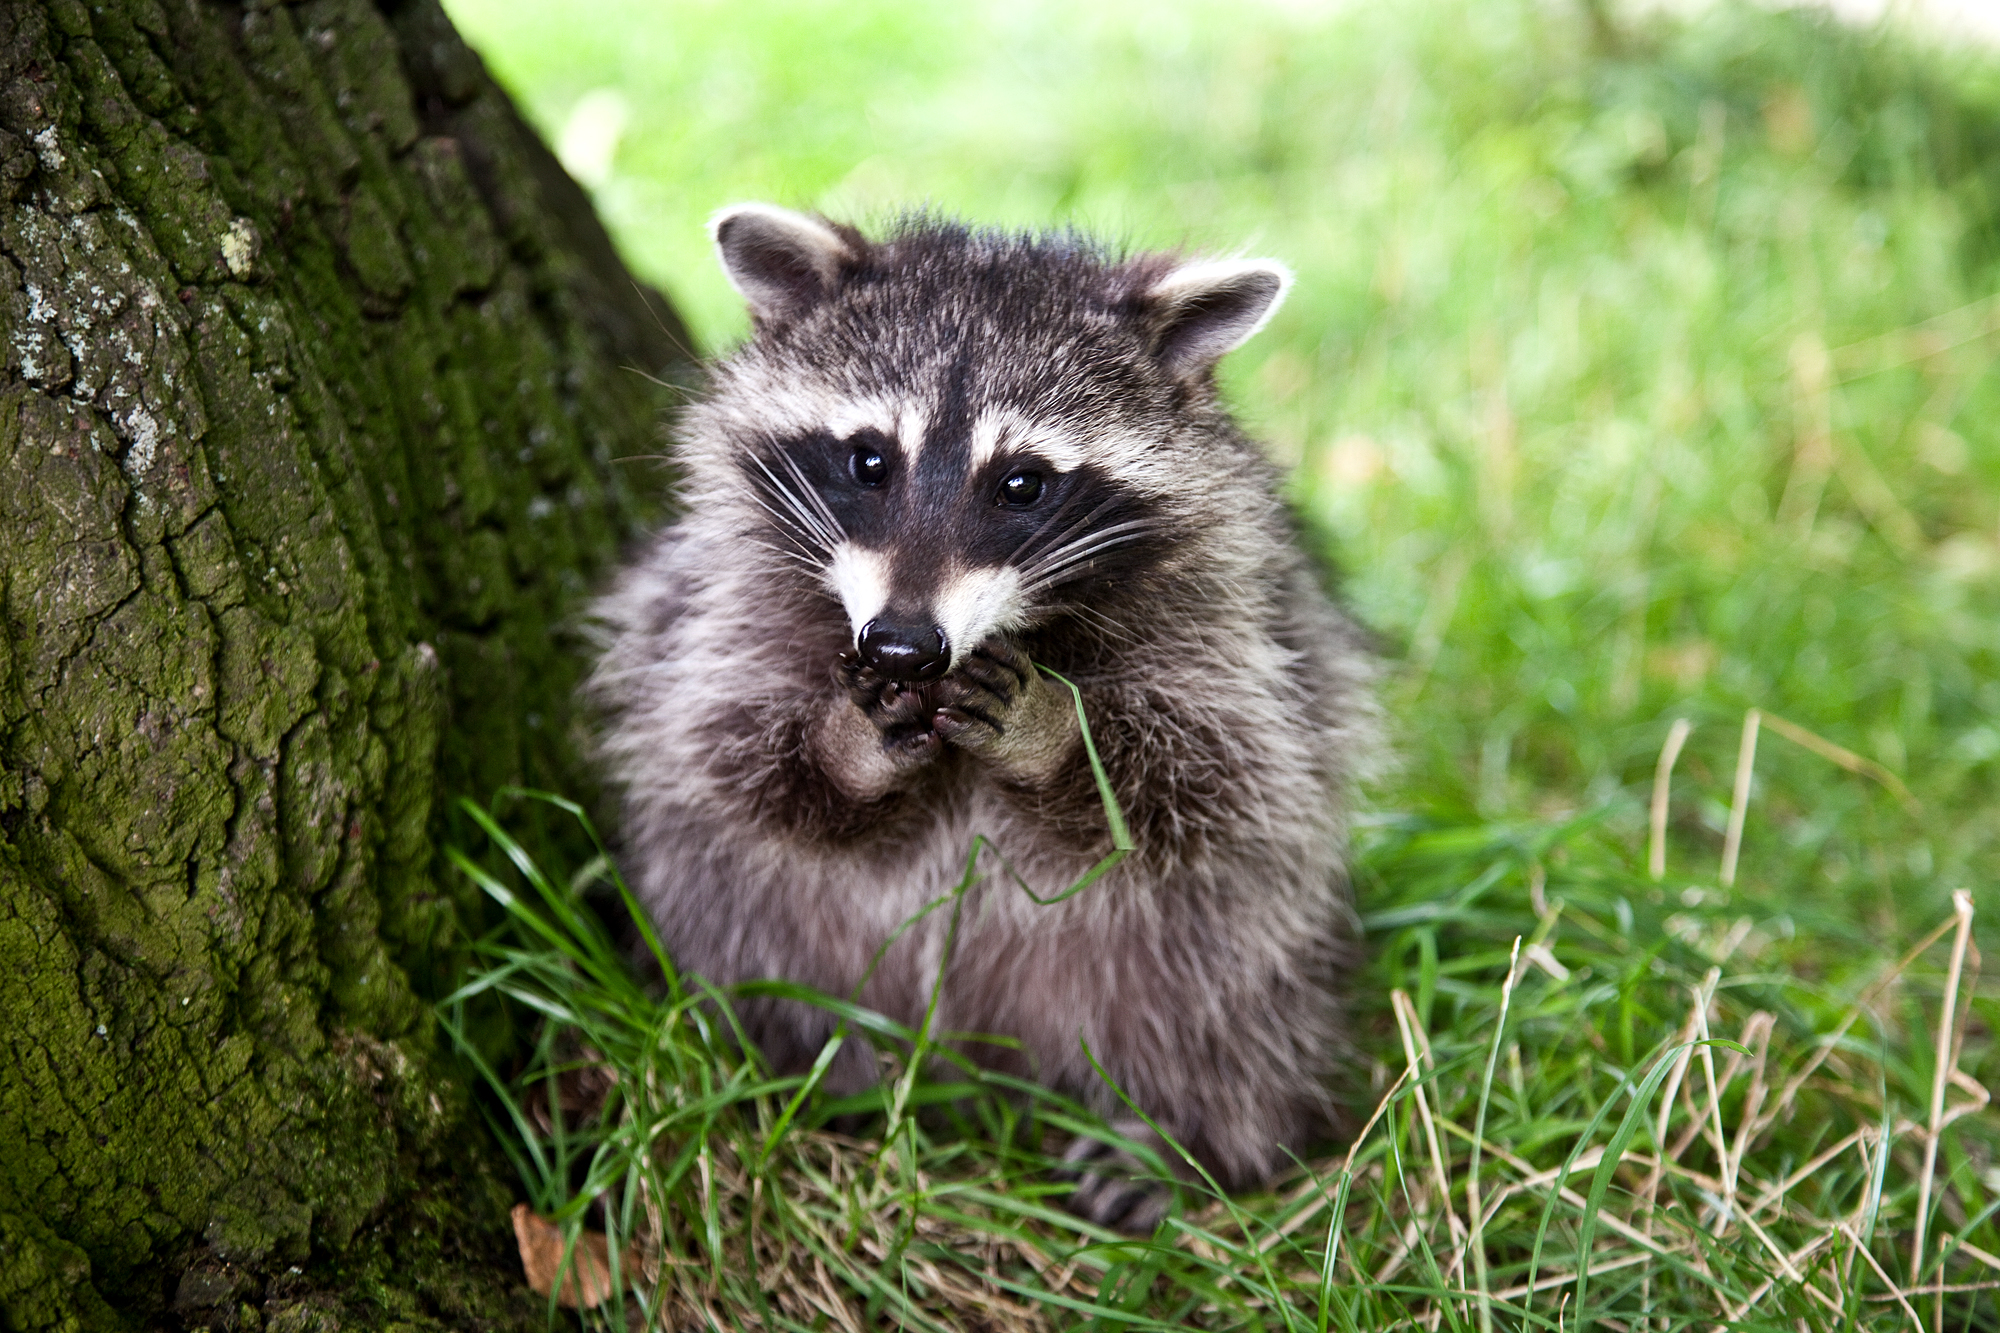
[[1201, 311], [782, 262]]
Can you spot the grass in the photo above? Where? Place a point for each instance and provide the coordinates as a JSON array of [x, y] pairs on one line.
[[1636, 376], [1610, 1118]]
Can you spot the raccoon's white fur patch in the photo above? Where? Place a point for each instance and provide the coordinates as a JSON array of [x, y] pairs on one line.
[[903, 422], [912, 423], [764, 405], [1137, 460], [761, 406], [860, 578], [1000, 431], [975, 603]]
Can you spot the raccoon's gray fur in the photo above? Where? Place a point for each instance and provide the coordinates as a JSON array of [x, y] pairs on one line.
[[941, 457]]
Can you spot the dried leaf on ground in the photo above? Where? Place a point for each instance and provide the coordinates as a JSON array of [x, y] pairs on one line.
[[542, 1259]]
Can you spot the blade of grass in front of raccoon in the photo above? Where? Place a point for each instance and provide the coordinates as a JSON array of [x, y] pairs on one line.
[[1613, 1156], [1114, 815], [1240, 1216]]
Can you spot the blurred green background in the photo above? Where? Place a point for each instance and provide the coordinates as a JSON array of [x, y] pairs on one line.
[[1638, 368]]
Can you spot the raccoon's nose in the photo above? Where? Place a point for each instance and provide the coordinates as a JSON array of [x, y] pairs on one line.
[[904, 652]]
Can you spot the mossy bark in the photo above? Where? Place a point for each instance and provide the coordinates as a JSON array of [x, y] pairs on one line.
[[317, 377]]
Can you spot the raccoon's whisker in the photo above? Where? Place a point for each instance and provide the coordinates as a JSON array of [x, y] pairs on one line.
[[808, 561], [1043, 567], [788, 521], [1060, 571], [804, 538], [1066, 534], [1042, 529], [827, 516], [1090, 615], [804, 517], [798, 516], [1058, 552], [795, 514], [1059, 555], [1063, 572]]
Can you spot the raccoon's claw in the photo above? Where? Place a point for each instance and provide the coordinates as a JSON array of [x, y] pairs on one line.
[[974, 704], [962, 723], [995, 704], [909, 747], [901, 713], [1000, 667]]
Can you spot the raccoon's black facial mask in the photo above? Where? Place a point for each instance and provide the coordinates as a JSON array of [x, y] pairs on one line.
[[927, 539]]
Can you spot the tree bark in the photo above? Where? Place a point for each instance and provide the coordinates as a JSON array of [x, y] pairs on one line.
[[318, 374]]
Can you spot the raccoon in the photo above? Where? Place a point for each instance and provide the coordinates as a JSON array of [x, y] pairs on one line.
[[944, 460]]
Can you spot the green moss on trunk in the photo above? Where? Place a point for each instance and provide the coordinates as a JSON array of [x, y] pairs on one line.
[[317, 371]]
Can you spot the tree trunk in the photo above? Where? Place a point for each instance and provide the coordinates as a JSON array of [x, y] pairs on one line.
[[318, 372]]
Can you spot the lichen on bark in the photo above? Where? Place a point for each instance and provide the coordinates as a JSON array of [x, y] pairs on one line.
[[317, 375]]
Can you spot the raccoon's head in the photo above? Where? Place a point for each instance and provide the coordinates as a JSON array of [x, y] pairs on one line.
[[955, 434]]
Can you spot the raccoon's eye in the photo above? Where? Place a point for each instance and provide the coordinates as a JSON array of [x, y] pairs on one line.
[[1021, 489], [868, 465]]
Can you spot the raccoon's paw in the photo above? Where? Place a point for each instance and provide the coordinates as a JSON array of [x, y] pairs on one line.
[[977, 703], [1111, 1188], [998, 706], [900, 713]]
